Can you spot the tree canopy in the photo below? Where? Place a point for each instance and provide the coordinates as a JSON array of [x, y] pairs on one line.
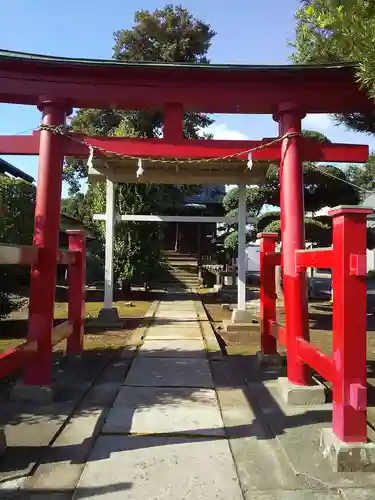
[[364, 177], [324, 185], [17, 202], [17, 199], [170, 34], [340, 31]]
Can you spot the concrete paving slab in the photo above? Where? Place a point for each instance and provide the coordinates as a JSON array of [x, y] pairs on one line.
[[298, 431], [167, 372], [102, 394], [295, 495], [176, 313], [172, 332], [45, 496], [180, 318], [145, 467], [117, 370], [38, 394], [254, 448], [167, 348], [178, 303], [174, 306], [175, 323], [71, 390], [358, 494], [29, 429], [64, 462], [177, 306], [149, 410]]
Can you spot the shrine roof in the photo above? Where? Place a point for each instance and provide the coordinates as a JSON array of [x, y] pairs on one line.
[[8, 168]]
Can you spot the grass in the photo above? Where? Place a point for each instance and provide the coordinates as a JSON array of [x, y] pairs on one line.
[[125, 309], [14, 328]]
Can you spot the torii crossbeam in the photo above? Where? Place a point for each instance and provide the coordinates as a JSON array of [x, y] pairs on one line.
[[114, 156], [114, 159], [311, 149]]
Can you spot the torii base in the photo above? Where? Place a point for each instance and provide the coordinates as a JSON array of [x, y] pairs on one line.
[[242, 316], [109, 318], [301, 395], [347, 457]]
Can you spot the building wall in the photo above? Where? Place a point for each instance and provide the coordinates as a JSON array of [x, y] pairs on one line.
[[193, 238], [252, 258]]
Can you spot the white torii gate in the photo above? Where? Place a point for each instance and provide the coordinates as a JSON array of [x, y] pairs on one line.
[[110, 218]]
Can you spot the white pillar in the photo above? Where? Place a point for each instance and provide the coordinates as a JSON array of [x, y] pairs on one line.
[[109, 237], [241, 285]]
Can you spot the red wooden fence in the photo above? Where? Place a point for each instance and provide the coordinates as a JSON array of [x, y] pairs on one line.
[[346, 368], [19, 357]]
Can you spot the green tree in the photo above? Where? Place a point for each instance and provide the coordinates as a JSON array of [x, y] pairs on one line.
[[166, 35], [17, 202], [323, 186], [340, 31], [78, 206], [364, 177]]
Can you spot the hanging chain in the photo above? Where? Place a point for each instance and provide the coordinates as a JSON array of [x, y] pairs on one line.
[[62, 130]]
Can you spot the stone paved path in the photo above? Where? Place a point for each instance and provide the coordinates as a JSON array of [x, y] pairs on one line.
[[171, 418], [164, 437]]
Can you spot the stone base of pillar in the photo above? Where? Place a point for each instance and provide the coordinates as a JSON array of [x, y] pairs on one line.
[[217, 288], [301, 395], [39, 394], [230, 327], [347, 457], [109, 317], [3, 443], [242, 316]]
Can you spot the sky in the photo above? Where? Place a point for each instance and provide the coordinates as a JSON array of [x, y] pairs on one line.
[[248, 32]]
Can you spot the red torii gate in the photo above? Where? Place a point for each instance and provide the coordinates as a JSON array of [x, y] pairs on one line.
[[56, 85]]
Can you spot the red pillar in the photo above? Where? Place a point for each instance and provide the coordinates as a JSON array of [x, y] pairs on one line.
[[173, 121], [268, 343], [349, 323], [46, 237], [292, 239], [77, 282]]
